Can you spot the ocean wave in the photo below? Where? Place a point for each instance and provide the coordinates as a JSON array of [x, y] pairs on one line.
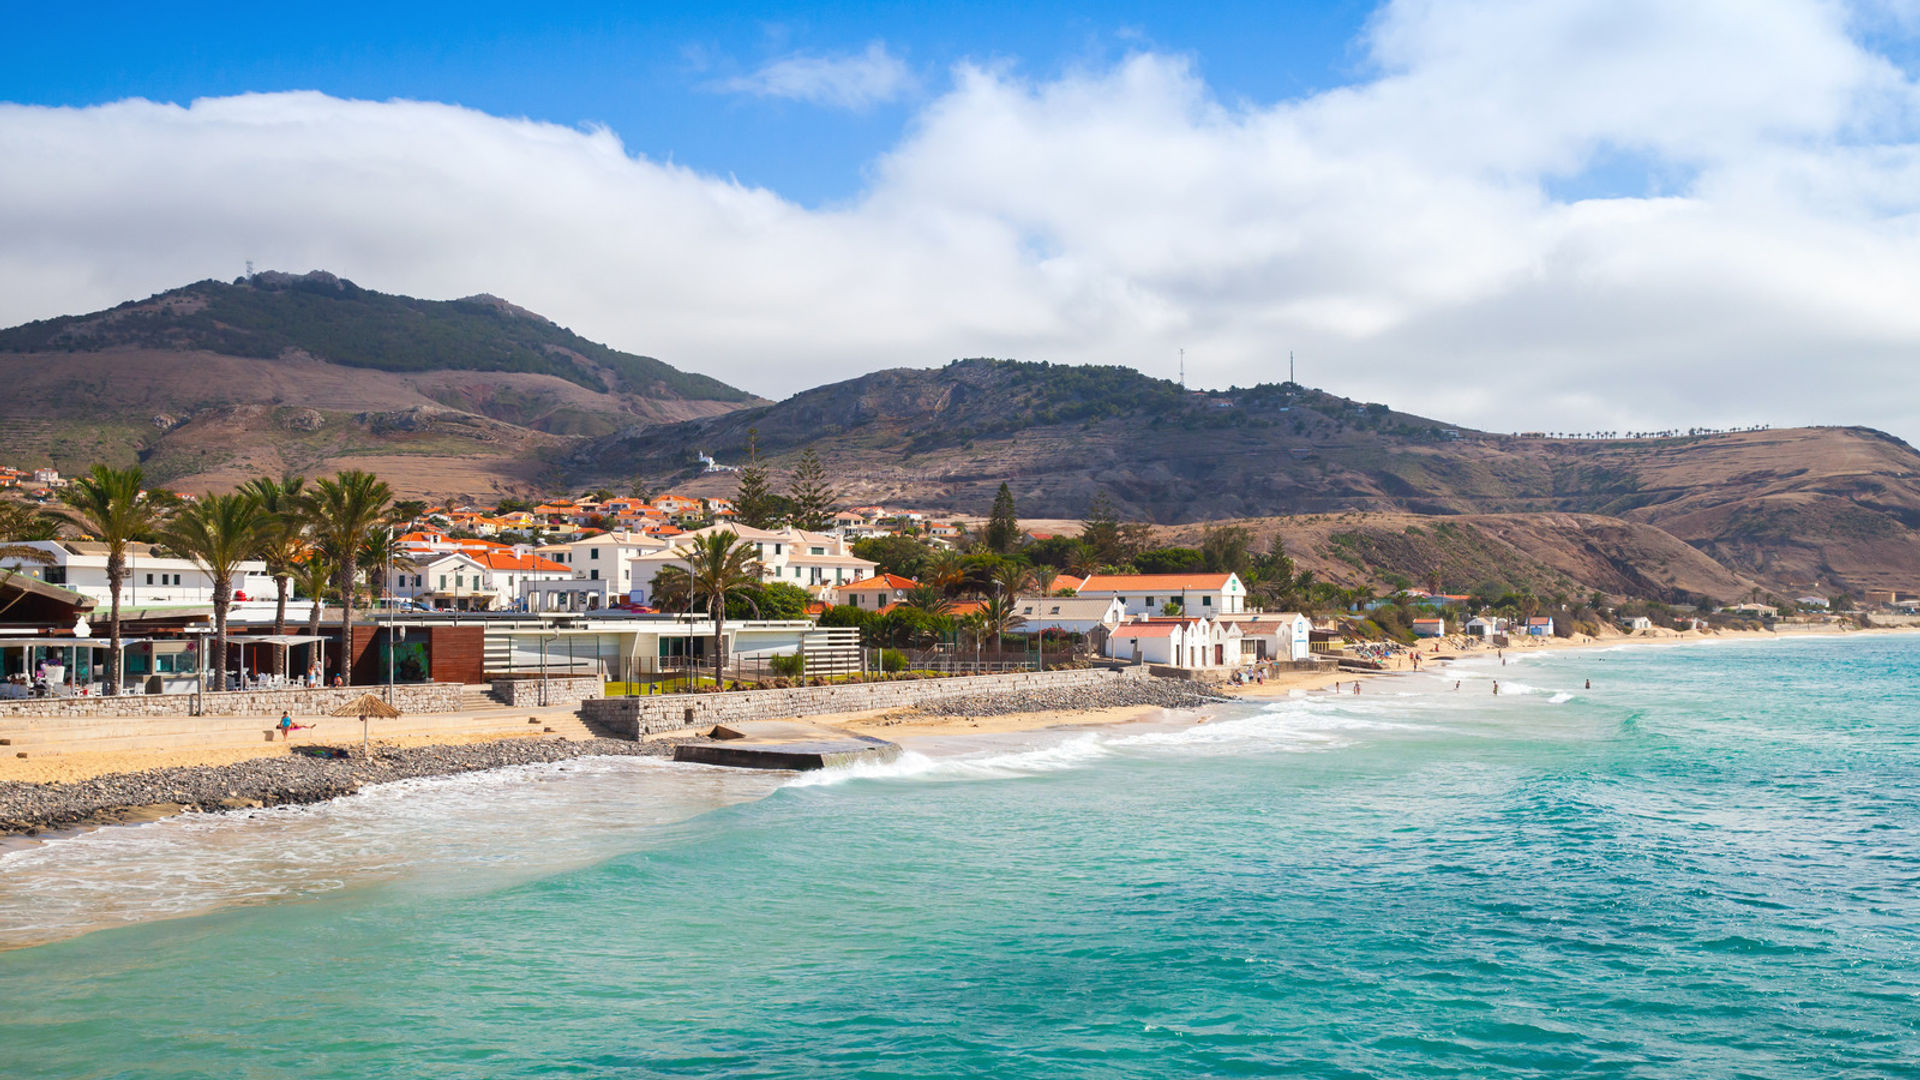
[[1294, 725], [472, 829]]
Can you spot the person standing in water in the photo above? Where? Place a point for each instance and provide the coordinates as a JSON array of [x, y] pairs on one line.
[[1496, 688], [1589, 684]]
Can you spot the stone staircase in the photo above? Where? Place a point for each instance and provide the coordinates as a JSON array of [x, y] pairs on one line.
[[479, 699]]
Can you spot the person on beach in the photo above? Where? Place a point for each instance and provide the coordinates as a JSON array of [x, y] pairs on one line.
[[1456, 684], [1589, 684], [1356, 686], [1496, 688], [285, 725]]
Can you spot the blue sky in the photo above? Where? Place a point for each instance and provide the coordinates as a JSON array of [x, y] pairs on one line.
[[1575, 215], [655, 74]]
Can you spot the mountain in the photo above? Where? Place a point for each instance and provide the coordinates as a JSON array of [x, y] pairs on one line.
[[310, 371], [1796, 509]]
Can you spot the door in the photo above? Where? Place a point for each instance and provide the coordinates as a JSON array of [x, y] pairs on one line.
[[1219, 655]]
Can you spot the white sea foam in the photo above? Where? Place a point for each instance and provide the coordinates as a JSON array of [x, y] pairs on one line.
[[1560, 698], [472, 830]]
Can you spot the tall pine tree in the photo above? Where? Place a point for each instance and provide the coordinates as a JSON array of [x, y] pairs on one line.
[[1101, 530], [753, 500], [1003, 527], [813, 498]]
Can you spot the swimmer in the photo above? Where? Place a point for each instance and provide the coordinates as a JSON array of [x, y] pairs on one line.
[[1496, 688]]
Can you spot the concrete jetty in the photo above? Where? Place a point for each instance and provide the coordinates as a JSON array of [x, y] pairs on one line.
[[783, 744]]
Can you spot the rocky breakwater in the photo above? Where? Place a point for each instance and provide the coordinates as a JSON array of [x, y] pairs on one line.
[[1116, 693], [273, 781]]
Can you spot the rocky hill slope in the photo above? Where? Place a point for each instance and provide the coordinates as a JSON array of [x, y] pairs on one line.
[[1807, 508], [306, 372]]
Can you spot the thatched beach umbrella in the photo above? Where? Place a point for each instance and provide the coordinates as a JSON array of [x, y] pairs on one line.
[[364, 706]]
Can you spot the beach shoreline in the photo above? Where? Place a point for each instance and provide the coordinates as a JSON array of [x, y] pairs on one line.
[[262, 774]]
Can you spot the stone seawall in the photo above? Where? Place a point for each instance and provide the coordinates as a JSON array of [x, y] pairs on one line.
[[410, 698], [560, 690], [636, 716]]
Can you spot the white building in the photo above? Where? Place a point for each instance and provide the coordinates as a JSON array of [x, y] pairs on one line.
[[1072, 614], [482, 581], [874, 593], [814, 561], [152, 579], [1199, 595], [1485, 627], [1434, 627], [1181, 643], [609, 556], [1274, 635]]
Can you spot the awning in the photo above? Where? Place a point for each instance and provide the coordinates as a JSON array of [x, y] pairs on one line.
[[275, 639]]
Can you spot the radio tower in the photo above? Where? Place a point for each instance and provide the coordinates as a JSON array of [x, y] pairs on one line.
[[1183, 369], [1290, 365]]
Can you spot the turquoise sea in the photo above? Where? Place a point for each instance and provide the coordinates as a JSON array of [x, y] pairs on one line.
[[1706, 866]]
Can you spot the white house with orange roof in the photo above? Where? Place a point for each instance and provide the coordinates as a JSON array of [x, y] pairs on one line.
[[608, 557], [876, 593], [814, 561], [678, 507], [487, 580], [1204, 595], [1273, 635], [1183, 643], [1073, 614]]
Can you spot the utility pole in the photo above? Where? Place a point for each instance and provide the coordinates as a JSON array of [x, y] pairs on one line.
[[386, 601]]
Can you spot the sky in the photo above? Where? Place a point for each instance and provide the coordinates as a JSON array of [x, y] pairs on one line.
[[1577, 216]]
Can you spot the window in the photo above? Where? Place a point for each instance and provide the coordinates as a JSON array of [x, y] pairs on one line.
[[149, 579], [593, 553], [776, 549], [443, 581], [818, 550], [593, 574], [1206, 601], [1149, 601]]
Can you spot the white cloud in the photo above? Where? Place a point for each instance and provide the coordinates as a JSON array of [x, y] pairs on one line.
[[1397, 233], [870, 78]]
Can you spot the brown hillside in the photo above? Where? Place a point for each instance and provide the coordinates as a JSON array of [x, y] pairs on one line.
[[1822, 509], [1575, 554]]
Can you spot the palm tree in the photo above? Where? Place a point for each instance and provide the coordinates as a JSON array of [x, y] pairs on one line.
[[998, 617], [313, 572], [929, 598], [1043, 578], [720, 565], [671, 591], [381, 551], [344, 509], [219, 533], [108, 505], [946, 571], [1012, 579], [19, 522], [285, 541], [19, 553]]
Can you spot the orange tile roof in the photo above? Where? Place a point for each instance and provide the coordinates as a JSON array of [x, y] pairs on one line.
[[507, 560], [890, 581], [1152, 582], [1140, 630]]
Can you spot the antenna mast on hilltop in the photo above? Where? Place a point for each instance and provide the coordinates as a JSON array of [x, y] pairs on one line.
[[1290, 377], [1183, 369]]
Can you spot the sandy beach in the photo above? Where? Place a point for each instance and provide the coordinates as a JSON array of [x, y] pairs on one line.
[[906, 724]]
